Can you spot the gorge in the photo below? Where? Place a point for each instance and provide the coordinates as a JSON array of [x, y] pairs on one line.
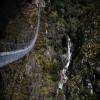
[[64, 64]]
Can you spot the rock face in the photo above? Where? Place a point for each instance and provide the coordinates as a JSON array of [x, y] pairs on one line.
[[8, 10], [36, 76], [16, 24]]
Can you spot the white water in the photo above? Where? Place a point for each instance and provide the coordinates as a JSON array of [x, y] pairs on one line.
[[63, 76]]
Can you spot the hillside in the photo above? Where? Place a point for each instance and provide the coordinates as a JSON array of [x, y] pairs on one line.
[[36, 76]]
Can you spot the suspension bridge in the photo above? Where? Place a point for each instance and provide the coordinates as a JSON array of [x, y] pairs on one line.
[[11, 56]]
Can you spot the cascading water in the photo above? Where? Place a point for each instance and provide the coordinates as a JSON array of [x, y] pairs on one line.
[[63, 76]]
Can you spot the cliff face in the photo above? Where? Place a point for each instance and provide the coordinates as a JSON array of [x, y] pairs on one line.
[[8, 10], [36, 76], [17, 20]]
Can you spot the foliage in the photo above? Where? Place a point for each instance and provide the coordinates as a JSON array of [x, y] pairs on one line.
[[36, 76]]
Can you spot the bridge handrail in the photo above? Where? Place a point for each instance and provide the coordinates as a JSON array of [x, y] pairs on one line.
[[9, 57]]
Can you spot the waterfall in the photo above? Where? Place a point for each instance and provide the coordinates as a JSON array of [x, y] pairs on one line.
[[63, 76]]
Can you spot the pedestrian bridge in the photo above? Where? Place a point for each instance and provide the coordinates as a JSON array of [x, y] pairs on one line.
[[11, 56]]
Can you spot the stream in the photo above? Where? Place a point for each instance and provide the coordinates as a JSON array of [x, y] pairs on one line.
[[63, 76]]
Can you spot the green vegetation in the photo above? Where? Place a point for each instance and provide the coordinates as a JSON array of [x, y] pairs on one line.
[[36, 76]]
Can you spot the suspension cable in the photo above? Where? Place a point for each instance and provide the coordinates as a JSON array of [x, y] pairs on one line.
[[9, 57]]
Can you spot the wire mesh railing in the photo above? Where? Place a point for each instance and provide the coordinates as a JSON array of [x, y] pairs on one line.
[[13, 55]]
